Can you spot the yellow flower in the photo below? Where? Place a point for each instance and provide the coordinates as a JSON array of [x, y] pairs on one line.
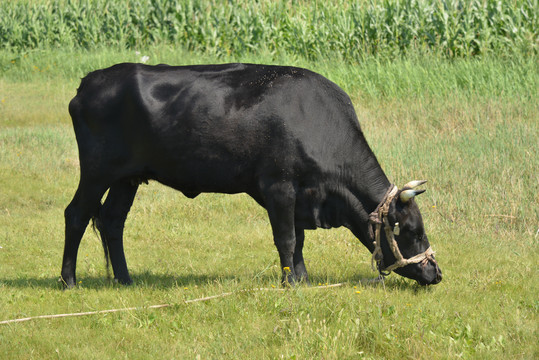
[[358, 292], [286, 269]]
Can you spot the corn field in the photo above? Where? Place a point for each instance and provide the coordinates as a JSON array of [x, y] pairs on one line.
[[349, 30]]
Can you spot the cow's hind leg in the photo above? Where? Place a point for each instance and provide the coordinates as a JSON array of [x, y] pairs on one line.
[[279, 199], [110, 222], [85, 205]]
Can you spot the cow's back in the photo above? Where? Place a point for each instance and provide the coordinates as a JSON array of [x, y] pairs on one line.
[[216, 128]]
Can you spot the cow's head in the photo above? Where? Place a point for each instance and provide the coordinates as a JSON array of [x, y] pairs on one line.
[[403, 241]]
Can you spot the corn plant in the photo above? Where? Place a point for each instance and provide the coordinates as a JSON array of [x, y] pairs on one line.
[[349, 30]]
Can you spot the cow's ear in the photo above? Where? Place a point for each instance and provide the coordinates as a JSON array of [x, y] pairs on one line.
[[406, 195]]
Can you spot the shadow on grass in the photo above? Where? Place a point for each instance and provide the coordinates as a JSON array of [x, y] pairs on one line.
[[144, 279], [150, 280], [395, 282]]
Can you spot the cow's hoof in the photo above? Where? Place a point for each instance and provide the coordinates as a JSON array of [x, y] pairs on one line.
[[127, 281], [66, 284]]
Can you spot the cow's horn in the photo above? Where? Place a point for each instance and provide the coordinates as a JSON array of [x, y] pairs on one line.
[[406, 195], [413, 184]]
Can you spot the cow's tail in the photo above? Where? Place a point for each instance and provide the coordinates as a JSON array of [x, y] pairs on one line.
[[96, 226]]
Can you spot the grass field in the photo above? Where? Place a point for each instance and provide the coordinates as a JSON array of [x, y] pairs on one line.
[[469, 125]]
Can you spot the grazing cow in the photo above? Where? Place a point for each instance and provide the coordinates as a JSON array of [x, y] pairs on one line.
[[286, 136]]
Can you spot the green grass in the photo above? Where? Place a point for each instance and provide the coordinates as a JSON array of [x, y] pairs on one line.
[[468, 126], [445, 90]]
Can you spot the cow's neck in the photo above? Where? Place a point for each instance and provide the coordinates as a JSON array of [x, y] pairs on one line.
[[371, 186]]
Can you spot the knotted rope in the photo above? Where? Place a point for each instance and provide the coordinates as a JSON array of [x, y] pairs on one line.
[[376, 219]]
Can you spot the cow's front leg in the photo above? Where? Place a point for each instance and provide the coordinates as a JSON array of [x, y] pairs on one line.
[[299, 262], [280, 199]]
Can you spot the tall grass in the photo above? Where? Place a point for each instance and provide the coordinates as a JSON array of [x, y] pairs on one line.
[[343, 29], [414, 76]]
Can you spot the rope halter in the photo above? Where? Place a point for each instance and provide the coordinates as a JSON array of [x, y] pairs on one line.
[[380, 216]]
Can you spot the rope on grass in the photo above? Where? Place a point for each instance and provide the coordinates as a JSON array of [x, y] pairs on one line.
[[98, 312]]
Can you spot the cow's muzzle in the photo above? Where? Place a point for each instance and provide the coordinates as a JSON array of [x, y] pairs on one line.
[[431, 273]]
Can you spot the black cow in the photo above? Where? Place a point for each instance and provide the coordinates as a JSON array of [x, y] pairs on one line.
[[286, 136]]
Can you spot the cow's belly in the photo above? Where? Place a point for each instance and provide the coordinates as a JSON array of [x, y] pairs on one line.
[[193, 178]]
